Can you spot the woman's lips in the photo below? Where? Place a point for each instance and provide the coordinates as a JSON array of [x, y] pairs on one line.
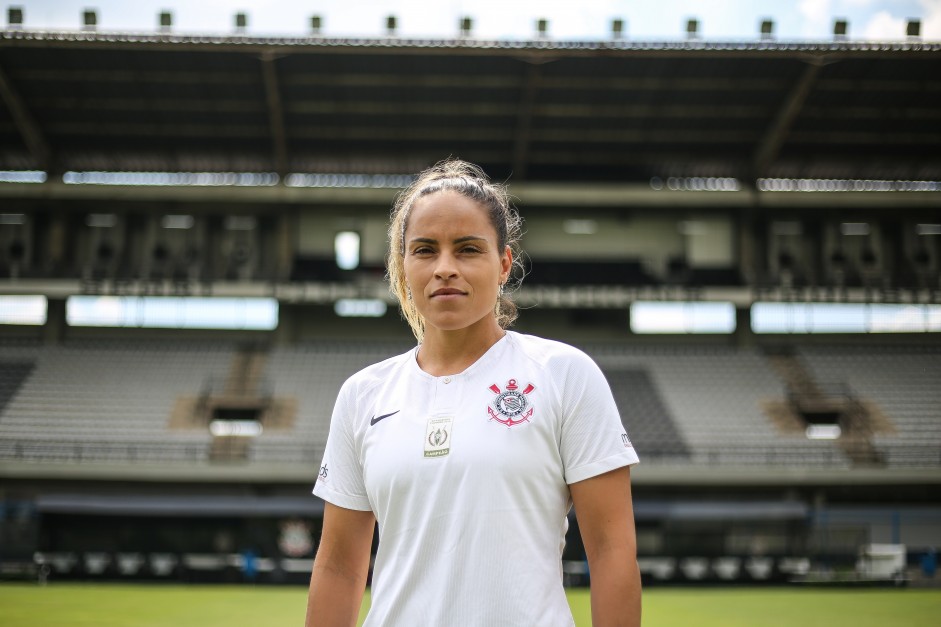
[[447, 292]]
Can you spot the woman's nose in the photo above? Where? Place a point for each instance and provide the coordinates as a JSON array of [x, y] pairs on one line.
[[446, 268]]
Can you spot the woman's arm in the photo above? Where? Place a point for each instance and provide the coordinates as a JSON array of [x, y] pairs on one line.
[[339, 575], [606, 520]]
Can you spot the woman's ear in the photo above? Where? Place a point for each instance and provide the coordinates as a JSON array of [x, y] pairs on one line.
[[506, 264]]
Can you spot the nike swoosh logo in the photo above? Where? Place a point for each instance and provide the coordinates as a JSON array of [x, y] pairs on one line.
[[382, 417]]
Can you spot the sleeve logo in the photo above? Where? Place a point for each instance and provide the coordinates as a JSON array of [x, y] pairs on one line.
[[511, 407]]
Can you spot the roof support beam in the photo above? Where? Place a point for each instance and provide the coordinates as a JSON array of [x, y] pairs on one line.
[[275, 113], [750, 84], [25, 123], [218, 199], [381, 46], [524, 121], [774, 137]]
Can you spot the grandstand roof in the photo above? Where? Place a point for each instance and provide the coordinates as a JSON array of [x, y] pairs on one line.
[[541, 110]]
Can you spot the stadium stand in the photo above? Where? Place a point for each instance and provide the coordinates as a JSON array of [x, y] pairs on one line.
[[108, 399], [704, 405], [715, 397], [312, 372], [904, 385], [12, 375], [649, 424]]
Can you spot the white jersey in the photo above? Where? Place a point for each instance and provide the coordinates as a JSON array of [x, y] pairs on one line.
[[468, 478]]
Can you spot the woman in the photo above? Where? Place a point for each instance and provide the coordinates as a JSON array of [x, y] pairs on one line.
[[470, 449]]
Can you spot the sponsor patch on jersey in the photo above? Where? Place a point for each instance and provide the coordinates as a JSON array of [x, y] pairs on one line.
[[438, 436], [322, 476], [626, 440], [511, 406]]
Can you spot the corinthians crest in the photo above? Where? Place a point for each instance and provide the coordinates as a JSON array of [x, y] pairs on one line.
[[511, 407]]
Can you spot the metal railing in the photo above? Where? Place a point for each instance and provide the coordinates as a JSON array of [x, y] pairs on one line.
[[198, 453]]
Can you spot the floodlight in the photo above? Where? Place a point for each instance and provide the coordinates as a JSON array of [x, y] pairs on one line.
[[913, 28], [315, 23], [391, 26], [692, 29], [767, 29], [617, 28], [241, 22], [542, 27], [466, 25], [165, 21], [840, 29], [15, 16], [89, 19]]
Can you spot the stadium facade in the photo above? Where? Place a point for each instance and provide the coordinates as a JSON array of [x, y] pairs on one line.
[[774, 205]]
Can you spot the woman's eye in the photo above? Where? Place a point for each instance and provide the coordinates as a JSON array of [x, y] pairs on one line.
[[424, 250], [470, 249]]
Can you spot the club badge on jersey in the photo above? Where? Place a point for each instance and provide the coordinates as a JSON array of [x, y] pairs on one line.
[[511, 407]]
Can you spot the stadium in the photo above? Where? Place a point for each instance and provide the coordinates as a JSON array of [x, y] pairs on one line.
[[745, 236]]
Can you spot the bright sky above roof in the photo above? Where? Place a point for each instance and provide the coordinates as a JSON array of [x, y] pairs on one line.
[[664, 20]]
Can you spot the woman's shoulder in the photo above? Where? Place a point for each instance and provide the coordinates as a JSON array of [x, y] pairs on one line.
[[548, 352]]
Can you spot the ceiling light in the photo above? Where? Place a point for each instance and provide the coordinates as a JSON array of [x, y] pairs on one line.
[[19, 218], [790, 227], [101, 220], [240, 223], [854, 228], [177, 222], [580, 227]]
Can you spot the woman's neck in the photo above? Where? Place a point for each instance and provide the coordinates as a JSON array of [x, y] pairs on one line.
[[451, 352]]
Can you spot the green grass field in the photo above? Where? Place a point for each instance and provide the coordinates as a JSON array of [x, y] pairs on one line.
[[123, 605]]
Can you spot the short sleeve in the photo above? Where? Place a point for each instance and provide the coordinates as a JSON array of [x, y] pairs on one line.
[[594, 440], [340, 480]]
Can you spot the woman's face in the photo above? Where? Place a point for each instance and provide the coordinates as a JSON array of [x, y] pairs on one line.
[[453, 263]]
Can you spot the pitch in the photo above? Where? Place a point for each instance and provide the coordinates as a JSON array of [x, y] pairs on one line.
[[125, 605]]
